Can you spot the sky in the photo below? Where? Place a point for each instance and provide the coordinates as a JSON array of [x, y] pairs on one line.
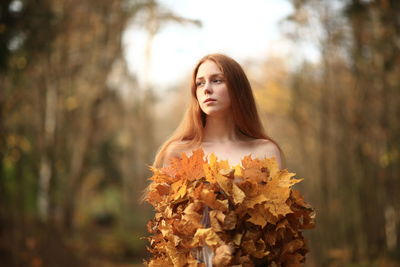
[[233, 27]]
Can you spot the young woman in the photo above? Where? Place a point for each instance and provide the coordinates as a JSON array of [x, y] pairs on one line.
[[222, 117]]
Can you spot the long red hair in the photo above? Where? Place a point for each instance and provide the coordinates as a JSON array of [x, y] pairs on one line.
[[243, 107]]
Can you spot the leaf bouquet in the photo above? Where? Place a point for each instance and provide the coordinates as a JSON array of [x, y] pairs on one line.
[[254, 215]]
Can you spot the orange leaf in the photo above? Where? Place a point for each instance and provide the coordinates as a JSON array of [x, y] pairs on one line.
[[206, 236]]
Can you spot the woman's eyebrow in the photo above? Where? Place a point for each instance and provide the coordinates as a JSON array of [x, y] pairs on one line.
[[211, 76]]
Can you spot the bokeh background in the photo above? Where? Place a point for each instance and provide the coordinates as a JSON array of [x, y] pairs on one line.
[[90, 89]]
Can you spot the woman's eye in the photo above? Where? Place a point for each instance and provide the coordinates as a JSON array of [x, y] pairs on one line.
[[218, 81], [199, 83]]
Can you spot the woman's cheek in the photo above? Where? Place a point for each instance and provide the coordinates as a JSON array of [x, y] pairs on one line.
[[227, 100]]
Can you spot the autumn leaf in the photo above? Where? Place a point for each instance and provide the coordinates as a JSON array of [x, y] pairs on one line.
[[269, 164], [177, 258], [257, 216], [230, 221], [157, 192], [206, 236], [224, 183], [238, 194], [214, 167], [217, 217], [187, 168], [179, 188], [159, 262], [223, 256]]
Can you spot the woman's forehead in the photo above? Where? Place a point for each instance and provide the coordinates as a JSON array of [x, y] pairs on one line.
[[208, 68]]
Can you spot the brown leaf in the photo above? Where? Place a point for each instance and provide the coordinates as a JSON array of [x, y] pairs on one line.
[[237, 239], [213, 168], [237, 194], [206, 236], [230, 221], [223, 256], [257, 216], [215, 223], [186, 168]]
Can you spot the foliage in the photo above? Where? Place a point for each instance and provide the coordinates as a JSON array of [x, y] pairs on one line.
[[254, 214]]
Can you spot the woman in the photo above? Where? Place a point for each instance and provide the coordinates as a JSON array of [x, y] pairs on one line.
[[222, 119]]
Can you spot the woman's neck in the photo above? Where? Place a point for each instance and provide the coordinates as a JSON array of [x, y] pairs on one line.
[[220, 129]]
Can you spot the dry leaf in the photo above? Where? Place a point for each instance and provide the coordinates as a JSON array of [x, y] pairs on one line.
[[206, 236], [223, 256]]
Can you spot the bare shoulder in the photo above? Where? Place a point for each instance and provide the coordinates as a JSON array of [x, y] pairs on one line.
[[175, 149], [267, 148]]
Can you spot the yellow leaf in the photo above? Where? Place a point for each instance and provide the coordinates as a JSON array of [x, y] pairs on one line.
[[237, 239], [178, 259], [224, 183], [230, 221], [251, 202], [256, 216], [213, 167], [223, 256], [215, 223], [238, 170], [206, 236], [238, 194]]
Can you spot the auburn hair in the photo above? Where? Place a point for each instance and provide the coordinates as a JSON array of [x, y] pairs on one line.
[[243, 108]]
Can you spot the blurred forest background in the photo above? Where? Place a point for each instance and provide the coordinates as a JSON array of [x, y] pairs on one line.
[[74, 146]]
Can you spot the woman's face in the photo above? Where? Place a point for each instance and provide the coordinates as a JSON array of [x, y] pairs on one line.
[[211, 83]]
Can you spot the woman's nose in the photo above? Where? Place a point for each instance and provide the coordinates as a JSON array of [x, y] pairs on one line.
[[207, 88]]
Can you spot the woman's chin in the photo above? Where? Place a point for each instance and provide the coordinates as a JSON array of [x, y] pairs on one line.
[[216, 113]]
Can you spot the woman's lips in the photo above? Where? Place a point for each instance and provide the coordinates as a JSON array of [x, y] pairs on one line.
[[209, 100]]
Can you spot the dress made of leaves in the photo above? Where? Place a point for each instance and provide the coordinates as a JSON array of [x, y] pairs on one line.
[[229, 216]]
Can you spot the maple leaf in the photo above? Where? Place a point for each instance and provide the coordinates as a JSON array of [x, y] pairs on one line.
[[249, 187], [230, 188], [214, 167], [257, 216], [237, 239], [292, 246], [224, 183], [230, 221], [255, 249], [269, 164], [178, 259], [179, 189], [159, 262], [208, 196], [190, 168], [157, 192], [206, 236], [238, 194], [216, 218], [277, 191], [223, 255]]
